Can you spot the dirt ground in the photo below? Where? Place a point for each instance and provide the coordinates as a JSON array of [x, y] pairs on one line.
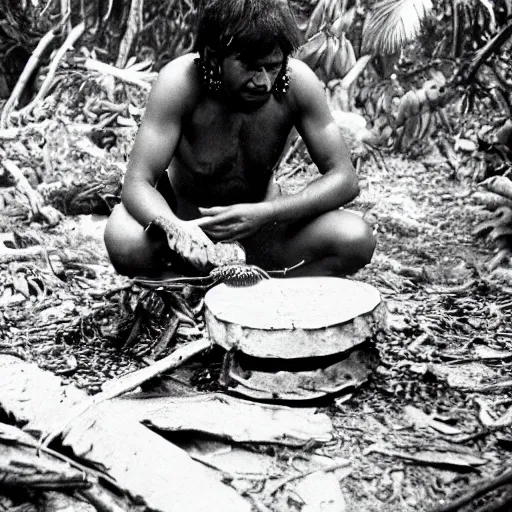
[[447, 349]]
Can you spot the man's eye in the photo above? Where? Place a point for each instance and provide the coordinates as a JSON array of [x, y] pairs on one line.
[[269, 69]]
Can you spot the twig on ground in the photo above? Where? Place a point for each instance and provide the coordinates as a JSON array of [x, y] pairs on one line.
[[30, 67], [131, 381]]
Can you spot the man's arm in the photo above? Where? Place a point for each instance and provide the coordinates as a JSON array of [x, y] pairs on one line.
[[338, 184], [156, 141]]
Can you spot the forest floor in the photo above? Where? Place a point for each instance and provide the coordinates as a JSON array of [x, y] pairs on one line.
[[446, 351]]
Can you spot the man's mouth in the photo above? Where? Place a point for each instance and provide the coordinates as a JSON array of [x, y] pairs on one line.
[[257, 93]]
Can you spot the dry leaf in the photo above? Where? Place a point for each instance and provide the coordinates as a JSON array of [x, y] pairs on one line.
[[431, 458]]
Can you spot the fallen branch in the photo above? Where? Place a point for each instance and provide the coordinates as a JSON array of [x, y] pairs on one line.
[[29, 68], [478, 490], [131, 381]]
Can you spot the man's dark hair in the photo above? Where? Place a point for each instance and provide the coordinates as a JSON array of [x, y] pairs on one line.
[[250, 29]]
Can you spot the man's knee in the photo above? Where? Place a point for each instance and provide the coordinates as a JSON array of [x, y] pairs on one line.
[[363, 241], [118, 248], [127, 245], [353, 240]]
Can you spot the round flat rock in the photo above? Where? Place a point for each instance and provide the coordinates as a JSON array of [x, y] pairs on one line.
[[293, 317], [293, 303]]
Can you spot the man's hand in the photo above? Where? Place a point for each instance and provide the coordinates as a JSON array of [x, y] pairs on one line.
[[229, 223], [189, 241]]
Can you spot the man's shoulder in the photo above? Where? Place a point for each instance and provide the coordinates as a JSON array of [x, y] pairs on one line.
[[304, 84], [179, 70], [178, 79]]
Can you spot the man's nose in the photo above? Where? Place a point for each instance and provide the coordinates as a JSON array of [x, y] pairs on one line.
[[262, 80]]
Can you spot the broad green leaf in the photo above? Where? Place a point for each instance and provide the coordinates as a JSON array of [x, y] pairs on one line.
[[393, 23]]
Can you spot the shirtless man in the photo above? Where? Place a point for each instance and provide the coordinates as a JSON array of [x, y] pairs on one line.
[[217, 121]]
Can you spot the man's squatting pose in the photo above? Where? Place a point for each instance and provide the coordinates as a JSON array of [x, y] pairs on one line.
[[217, 121]]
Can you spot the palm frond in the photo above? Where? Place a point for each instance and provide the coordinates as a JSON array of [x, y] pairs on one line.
[[393, 23]]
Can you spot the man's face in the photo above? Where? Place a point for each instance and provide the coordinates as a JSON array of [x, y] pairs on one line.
[[252, 81]]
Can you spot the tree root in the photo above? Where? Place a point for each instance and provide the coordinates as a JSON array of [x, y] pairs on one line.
[[35, 200], [30, 67], [73, 36]]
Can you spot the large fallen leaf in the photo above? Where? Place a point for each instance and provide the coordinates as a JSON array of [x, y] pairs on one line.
[[234, 419], [233, 461], [142, 462], [21, 466]]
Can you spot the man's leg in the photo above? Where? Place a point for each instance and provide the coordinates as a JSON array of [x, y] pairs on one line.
[[336, 243], [132, 250]]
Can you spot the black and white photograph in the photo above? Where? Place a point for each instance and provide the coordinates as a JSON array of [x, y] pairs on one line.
[[256, 255]]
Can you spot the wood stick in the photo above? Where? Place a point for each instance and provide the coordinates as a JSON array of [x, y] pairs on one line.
[[29, 68], [131, 381]]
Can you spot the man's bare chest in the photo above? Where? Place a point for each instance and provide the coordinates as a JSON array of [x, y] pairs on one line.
[[218, 143]]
